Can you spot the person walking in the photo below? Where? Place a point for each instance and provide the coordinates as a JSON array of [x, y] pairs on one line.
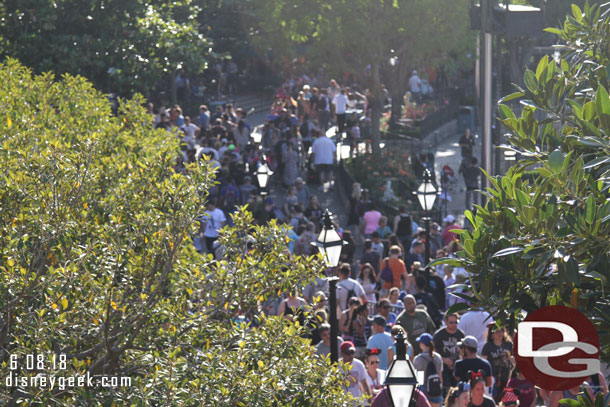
[[414, 321], [324, 157], [467, 143], [340, 103], [471, 362], [356, 377], [445, 342], [380, 340], [471, 172], [431, 363]]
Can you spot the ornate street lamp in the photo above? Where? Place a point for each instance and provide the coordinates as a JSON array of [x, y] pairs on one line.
[[329, 242], [330, 245], [401, 378], [426, 195], [262, 175]]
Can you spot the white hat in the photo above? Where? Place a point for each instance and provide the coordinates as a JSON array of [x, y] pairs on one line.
[[449, 219]]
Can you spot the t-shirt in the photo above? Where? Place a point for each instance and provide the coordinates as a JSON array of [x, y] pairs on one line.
[[378, 247], [381, 341], [385, 232], [474, 323], [499, 359], [436, 287], [415, 325], [378, 383], [356, 373], [445, 343], [340, 102], [415, 84], [324, 350], [411, 258], [204, 120], [214, 220], [421, 362], [371, 221], [527, 392], [462, 367], [398, 268], [190, 129], [343, 288], [449, 236], [324, 150]]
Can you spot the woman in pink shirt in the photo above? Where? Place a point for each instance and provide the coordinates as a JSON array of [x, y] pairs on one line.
[[370, 221]]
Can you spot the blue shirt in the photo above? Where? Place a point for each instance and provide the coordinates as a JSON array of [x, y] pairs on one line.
[[204, 120], [381, 341]]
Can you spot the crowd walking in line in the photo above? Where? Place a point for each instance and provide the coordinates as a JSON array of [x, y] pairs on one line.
[[384, 285]]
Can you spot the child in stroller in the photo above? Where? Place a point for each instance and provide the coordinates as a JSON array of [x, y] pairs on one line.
[[448, 182]]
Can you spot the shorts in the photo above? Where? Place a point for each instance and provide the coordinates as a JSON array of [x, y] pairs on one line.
[[324, 168]]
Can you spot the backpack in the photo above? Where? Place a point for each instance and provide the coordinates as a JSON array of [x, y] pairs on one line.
[[432, 382], [405, 226], [350, 293], [322, 103], [386, 273]]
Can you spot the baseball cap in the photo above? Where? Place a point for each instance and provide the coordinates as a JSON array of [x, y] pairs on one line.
[[425, 338], [347, 346], [299, 180], [231, 147], [402, 295], [449, 219], [379, 320], [469, 341]]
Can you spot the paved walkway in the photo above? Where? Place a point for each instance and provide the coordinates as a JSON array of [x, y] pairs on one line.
[[443, 142]]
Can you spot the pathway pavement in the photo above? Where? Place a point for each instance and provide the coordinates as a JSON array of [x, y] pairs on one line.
[[447, 151], [443, 142]]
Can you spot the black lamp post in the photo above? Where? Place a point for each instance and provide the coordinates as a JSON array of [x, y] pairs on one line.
[[426, 194], [262, 175], [401, 378], [330, 245]]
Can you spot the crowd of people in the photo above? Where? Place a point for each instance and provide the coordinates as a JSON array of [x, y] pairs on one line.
[[384, 289]]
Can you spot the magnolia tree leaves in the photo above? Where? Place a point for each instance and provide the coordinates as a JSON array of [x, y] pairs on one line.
[[97, 264], [542, 236]]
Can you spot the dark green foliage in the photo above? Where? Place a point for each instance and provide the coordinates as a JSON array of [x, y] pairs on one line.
[[542, 237]]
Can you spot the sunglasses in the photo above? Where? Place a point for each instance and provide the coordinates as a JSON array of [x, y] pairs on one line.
[[373, 362], [385, 307], [452, 323], [350, 352]]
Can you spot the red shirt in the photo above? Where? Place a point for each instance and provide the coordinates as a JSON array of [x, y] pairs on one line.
[[448, 236]]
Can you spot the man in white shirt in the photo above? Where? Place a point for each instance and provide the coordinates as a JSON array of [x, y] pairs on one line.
[[347, 285], [190, 132], [474, 323], [213, 219], [324, 156], [357, 373], [340, 102]]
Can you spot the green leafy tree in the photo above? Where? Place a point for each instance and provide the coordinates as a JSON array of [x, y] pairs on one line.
[[542, 236], [121, 46], [361, 36], [96, 263]]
